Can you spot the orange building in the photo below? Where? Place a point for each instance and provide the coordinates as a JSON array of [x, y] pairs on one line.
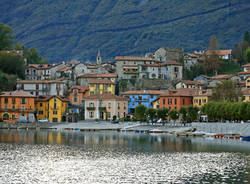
[[17, 105], [175, 99], [77, 93]]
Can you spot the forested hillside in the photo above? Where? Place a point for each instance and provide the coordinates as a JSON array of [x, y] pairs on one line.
[[76, 29]]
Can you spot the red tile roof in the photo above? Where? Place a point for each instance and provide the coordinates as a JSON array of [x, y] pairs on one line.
[[64, 69], [48, 97], [133, 58], [189, 82], [100, 81], [218, 52], [39, 81], [103, 75], [143, 92], [182, 92], [246, 65], [42, 66], [244, 73], [172, 63], [106, 96], [218, 77], [18, 93], [81, 89], [245, 91]]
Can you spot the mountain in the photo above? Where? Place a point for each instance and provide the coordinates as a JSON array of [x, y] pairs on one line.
[[76, 29]]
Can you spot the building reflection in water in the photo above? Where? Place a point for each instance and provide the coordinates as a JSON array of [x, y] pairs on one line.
[[131, 141]]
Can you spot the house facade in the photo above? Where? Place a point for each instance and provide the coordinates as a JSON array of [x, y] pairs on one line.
[[105, 107], [127, 67], [17, 105], [188, 84], [84, 79], [175, 99], [202, 97], [52, 108], [101, 86], [42, 71], [42, 87], [144, 97]]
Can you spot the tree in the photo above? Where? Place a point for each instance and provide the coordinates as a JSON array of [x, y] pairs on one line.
[[6, 37], [226, 91], [246, 56], [183, 112], [247, 37], [213, 43], [140, 112], [151, 113], [162, 113], [174, 114], [33, 56], [192, 113], [211, 63], [11, 63]]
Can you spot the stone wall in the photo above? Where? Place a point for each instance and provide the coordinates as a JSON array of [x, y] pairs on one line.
[[224, 128]]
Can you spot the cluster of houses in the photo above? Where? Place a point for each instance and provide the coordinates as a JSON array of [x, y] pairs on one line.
[[76, 91]]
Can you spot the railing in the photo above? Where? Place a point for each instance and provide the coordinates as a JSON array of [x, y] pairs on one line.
[[90, 108], [102, 108]]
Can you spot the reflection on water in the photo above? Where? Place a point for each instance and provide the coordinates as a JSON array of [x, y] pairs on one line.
[[113, 157]]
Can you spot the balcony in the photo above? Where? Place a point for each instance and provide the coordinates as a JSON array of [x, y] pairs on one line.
[[90, 108], [16, 110], [102, 108]]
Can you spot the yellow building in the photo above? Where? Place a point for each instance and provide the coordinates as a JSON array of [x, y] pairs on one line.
[[156, 103], [201, 98], [52, 108], [101, 86], [246, 95], [248, 82]]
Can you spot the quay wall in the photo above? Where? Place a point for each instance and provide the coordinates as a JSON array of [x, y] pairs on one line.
[[224, 128]]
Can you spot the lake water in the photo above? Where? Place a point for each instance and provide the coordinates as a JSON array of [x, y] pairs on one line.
[[113, 157]]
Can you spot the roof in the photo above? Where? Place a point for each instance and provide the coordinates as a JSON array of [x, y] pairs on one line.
[[81, 89], [106, 96], [42, 66], [172, 63], [18, 93], [218, 77], [100, 75], [64, 69], [244, 73], [189, 82], [133, 58], [245, 91], [144, 92], [48, 97], [181, 92], [100, 81], [219, 52], [246, 65], [207, 92], [39, 81], [130, 67]]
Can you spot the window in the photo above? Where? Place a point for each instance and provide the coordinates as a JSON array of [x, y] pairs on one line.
[[37, 86], [13, 106], [91, 114], [175, 101], [204, 100], [169, 101], [109, 115], [109, 105], [118, 105], [23, 101], [91, 93], [91, 104], [6, 100], [176, 69], [164, 101], [118, 114], [40, 112], [23, 108], [13, 116], [124, 106], [183, 101], [41, 104], [13, 100], [75, 99], [54, 112]]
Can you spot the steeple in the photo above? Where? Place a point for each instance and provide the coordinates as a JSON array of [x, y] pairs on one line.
[[99, 58]]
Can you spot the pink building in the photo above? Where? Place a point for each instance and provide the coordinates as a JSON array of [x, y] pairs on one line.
[[105, 106]]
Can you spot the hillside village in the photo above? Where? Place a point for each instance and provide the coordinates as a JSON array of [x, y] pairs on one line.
[[73, 91]]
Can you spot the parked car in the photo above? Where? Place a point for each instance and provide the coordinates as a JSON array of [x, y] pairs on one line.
[[43, 120]]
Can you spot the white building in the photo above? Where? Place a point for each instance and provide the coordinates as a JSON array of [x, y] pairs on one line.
[[42, 87]]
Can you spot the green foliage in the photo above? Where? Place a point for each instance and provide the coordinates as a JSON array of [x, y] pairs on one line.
[[226, 91], [151, 113], [189, 113], [229, 67], [246, 56], [227, 111], [76, 29], [6, 37], [247, 37], [174, 114], [140, 111], [193, 72], [123, 84], [162, 113]]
